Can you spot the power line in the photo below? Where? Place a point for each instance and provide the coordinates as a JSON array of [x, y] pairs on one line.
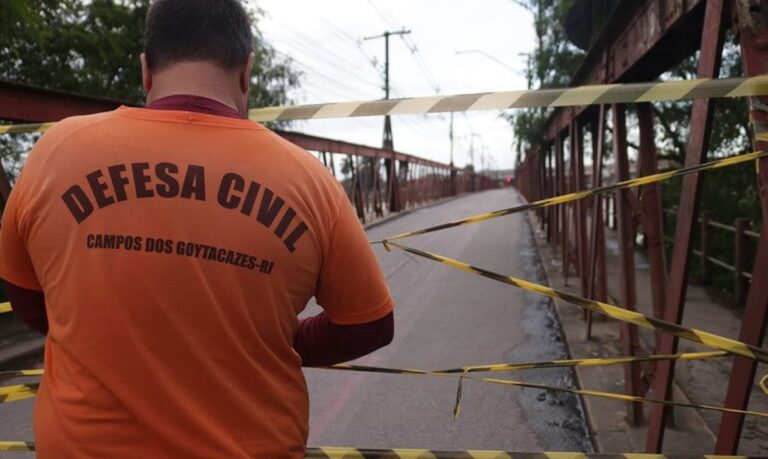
[[412, 47], [319, 54]]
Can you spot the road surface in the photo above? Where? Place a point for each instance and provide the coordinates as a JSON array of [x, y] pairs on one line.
[[444, 318]]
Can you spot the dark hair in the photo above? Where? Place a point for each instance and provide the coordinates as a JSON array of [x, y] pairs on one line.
[[218, 31]]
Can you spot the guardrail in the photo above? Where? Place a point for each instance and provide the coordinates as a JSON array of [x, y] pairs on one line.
[[742, 236]]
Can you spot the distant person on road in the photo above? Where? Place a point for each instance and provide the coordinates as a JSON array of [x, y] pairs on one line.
[[166, 251]]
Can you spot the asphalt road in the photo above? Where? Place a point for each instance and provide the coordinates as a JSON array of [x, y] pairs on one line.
[[444, 318], [447, 318]]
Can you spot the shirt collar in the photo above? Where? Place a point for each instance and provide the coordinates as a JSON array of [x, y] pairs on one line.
[[198, 104]]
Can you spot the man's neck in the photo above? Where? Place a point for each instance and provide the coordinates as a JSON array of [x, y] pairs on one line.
[[200, 79], [195, 104]]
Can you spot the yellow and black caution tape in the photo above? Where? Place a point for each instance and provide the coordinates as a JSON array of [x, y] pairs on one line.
[[712, 340], [22, 128], [510, 367], [403, 453], [511, 382], [562, 199], [20, 373], [355, 453], [593, 362], [17, 446], [18, 392], [562, 97]]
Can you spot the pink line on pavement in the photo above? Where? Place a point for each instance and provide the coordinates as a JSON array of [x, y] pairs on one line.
[[344, 392]]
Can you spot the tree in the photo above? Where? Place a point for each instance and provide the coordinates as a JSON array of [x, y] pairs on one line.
[[92, 47], [726, 193], [551, 64]]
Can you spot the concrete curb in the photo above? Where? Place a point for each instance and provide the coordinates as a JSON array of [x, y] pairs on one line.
[[606, 421]]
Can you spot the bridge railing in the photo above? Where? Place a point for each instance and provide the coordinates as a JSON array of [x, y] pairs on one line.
[[380, 182]]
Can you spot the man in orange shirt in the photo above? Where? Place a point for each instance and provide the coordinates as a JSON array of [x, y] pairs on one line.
[[166, 251]]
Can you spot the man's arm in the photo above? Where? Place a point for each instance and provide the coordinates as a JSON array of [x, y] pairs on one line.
[[29, 307], [321, 342]]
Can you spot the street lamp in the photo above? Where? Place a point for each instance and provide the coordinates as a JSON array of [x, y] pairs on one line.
[[489, 56]]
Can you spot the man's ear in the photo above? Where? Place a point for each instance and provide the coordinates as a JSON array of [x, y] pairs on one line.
[[245, 75], [146, 75]]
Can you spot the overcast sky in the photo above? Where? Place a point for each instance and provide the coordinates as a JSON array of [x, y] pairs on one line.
[[324, 39]]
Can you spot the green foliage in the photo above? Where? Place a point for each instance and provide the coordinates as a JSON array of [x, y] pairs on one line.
[[551, 64], [727, 194]]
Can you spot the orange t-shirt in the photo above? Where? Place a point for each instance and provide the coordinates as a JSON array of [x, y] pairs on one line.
[[175, 250]]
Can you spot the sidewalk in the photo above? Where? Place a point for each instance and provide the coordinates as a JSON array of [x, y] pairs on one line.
[[701, 382]]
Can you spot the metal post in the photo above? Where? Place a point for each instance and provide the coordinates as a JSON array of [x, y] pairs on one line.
[[712, 37], [740, 261], [704, 248], [562, 209], [581, 226], [596, 259], [753, 325], [652, 213], [626, 236]]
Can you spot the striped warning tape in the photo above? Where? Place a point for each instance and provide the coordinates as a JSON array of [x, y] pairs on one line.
[[564, 97], [22, 128], [570, 197], [512, 382], [18, 392], [593, 362], [17, 446], [708, 339], [355, 453], [403, 453], [510, 367], [20, 373]]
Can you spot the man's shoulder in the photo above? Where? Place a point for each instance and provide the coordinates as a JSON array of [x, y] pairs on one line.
[[73, 126]]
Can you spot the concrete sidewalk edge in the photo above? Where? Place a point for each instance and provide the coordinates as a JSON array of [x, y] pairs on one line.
[[624, 439]]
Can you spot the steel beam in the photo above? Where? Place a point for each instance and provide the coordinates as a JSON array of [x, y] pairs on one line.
[[753, 35], [641, 40], [314, 143], [22, 103], [596, 262], [712, 37], [626, 236], [651, 218]]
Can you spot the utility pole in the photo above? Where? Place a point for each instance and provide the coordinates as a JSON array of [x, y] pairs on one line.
[[388, 142], [453, 170]]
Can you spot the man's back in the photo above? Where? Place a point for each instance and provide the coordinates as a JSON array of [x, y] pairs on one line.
[[175, 250]]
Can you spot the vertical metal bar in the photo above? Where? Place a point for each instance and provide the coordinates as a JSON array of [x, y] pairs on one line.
[[626, 236], [712, 37], [652, 219], [551, 190], [581, 210], [5, 184], [597, 233], [568, 174], [740, 261], [561, 209], [704, 248]]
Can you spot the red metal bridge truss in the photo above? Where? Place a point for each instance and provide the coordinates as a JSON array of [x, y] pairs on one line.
[[643, 39], [378, 181]]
